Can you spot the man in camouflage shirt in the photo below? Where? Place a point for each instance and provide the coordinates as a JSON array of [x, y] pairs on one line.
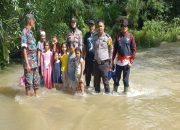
[[29, 48]]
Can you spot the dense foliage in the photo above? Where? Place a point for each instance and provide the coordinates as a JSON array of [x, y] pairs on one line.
[[151, 20]]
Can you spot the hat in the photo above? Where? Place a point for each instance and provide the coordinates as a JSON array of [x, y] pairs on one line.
[[73, 19], [124, 22], [43, 34], [91, 22], [30, 16]]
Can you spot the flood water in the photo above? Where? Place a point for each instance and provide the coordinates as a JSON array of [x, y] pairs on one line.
[[153, 102]]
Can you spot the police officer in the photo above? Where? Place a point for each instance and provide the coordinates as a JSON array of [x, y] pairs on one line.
[[125, 49], [74, 36], [89, 54], [102, 55]]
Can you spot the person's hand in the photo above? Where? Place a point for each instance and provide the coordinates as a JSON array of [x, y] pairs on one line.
[[81, 80], [28, 68], [112, 65], [129, 65]]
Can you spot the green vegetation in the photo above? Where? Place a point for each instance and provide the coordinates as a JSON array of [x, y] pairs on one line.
[[152, 21]]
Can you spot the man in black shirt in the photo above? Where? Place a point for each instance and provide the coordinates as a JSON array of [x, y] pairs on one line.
[[89, 54]]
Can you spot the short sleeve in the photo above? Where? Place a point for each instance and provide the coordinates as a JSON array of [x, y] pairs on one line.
[[109, 41], [38, 45], [23, 39]]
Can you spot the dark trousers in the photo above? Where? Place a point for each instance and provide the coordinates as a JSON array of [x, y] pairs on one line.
[[88, 70], [126, 71], [101, 70], [41, 77]]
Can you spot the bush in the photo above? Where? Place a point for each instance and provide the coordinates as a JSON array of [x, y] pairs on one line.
[[154, 32], [145, 39]]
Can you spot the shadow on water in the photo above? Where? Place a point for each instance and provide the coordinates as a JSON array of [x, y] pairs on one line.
[[9, 92]]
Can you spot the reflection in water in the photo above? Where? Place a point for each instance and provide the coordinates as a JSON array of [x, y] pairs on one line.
[[152, 103]]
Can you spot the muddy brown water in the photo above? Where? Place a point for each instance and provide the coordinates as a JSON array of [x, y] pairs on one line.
[[153, 102]]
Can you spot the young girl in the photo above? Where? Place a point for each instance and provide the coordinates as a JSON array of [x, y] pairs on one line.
[[64, 64], [56, 71], [46, 65], [71, 67], [79, 69], [55, 45]]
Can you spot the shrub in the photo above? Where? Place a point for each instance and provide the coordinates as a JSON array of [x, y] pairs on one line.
[[154, 32], [145, 39]]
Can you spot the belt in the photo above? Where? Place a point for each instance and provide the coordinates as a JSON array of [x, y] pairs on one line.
[[102, 61]]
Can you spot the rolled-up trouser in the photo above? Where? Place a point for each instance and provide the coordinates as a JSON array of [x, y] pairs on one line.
[[126, 71], [32, 78], [101, 70]]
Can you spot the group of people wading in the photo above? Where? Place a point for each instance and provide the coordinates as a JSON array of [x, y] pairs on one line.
[[63, 65]]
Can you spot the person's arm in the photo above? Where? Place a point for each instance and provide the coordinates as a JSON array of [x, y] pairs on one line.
[[115, 49], [27, 66], [82, 70], [110, 47], [133, 49], [51, 60], [39, 57], [42, 64], [80, 41], [85, 45], [24, 50]]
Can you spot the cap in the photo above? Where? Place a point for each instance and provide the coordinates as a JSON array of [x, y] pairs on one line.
[[73, 19], [124, 22], [91, 22], [30, 16]]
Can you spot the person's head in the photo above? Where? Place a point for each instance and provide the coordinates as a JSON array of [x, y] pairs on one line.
[[101, 26], [91, 25], [124, 26], [78, 52], [46, 45], [72, 48], [64, 48], [55, 39], [30, 20], [43, 35], [56, 56], [73, 23]]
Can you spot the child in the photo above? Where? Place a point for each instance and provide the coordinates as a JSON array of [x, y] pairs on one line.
[[79, 71], [40, 49], [46, 65], [56, 71], [71, 67], [64, 64], [55, 45]]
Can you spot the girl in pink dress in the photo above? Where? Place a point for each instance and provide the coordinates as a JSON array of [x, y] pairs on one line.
[[46, 65]]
